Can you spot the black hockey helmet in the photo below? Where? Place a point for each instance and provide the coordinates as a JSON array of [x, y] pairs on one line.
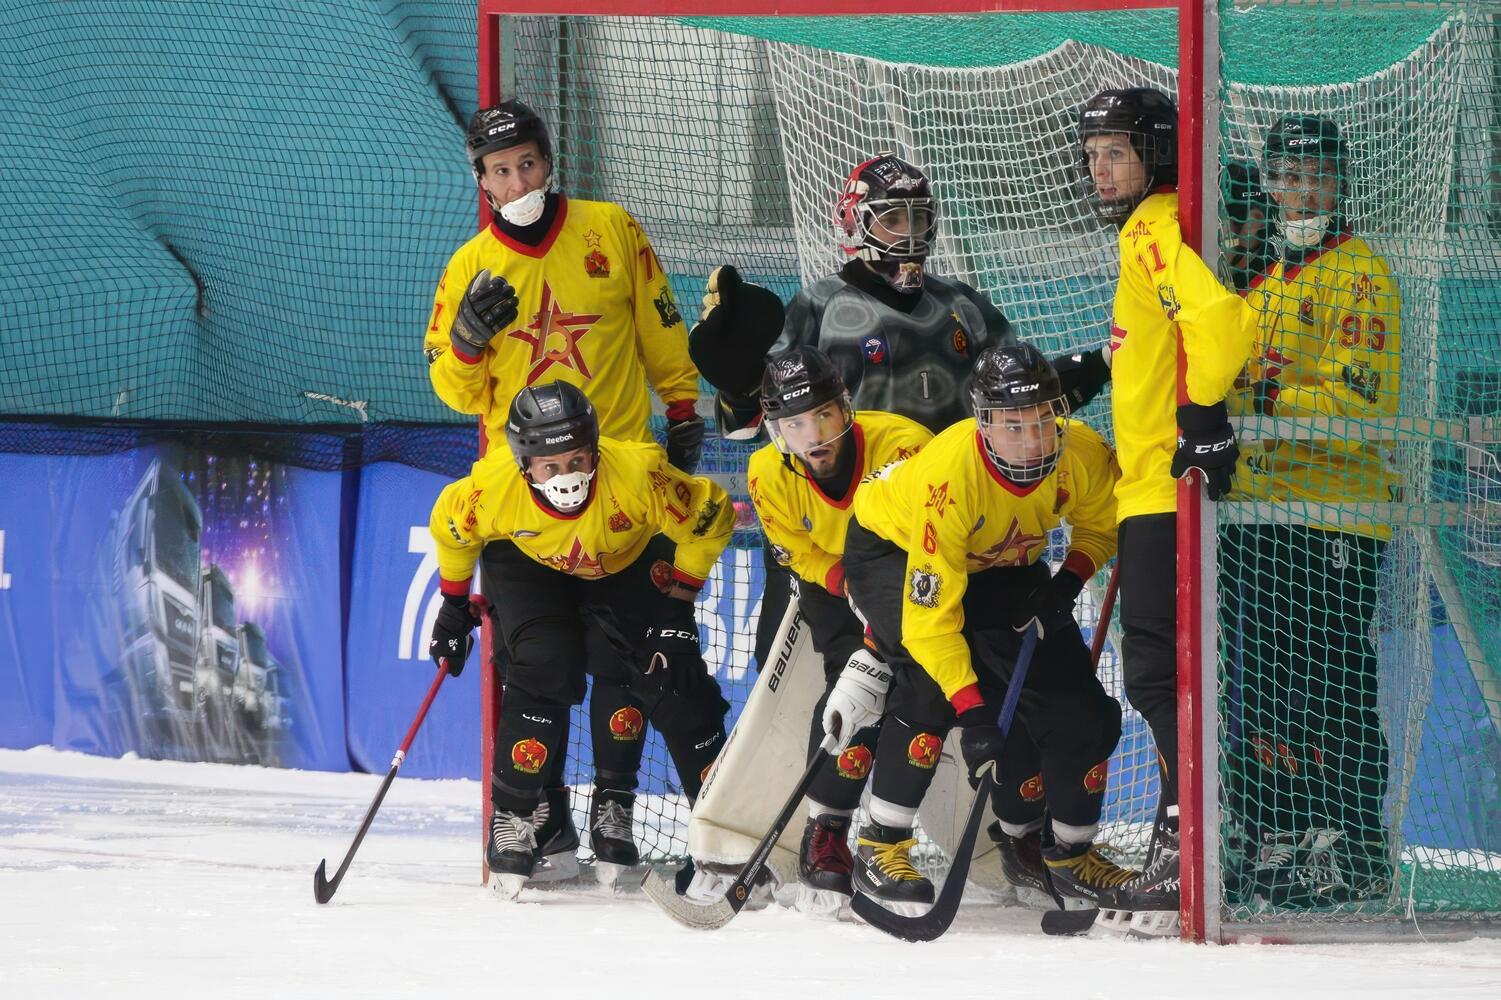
[[506, 125], [889, 191], [1240, 186], [1305, 137], [549, 420], [799, 380], [1149, 120], [1011, 378]]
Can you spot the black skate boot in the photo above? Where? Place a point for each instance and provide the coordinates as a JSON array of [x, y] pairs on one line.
[[557, 838], [511, 852], [1080, 872], [883, 869], [1021, 864], [610, 834], [824, 865], [1147, 906]]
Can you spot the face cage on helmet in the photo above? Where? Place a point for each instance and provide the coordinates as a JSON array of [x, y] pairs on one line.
[[774, 425], [896, 214], [1025, 475], [1118, 210]]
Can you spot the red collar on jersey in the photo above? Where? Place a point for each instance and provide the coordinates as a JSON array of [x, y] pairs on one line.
[[1331, 242], [540, 250], [855, 475]]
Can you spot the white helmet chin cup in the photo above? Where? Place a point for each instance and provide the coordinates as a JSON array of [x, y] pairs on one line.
[[1304, 232], [566, 490], [525, 210]]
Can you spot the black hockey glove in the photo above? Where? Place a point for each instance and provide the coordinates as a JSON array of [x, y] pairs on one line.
[[981, 742], [674, 659], [1050, 604], [488, 307], [685, 442], [740, 322], [1082, 376], [1206, 442], [453, 633]]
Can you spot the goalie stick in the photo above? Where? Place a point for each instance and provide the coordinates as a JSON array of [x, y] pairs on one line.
[[930, 925], [323, 887], [712, 916]]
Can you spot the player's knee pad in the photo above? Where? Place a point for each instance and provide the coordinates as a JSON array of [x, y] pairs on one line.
[[699, 705], [906, 758], [617, 723], [547, 659], [838, 786], [530, 737], [693, 753], [1019, 794]]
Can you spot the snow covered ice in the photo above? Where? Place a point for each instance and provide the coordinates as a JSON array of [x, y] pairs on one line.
[[134, 878]]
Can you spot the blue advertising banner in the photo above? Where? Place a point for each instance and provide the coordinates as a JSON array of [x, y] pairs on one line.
[[169, 599]]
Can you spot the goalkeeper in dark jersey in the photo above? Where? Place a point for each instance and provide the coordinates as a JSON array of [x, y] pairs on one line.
[[593, 521], [1167, 301], [569, 290], [945, 560]]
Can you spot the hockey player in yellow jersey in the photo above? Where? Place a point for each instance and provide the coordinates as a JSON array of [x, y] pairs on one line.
[[803, 485], [945, 560], [1166, 300], [593, 520], [557, 289], [1309, 772]]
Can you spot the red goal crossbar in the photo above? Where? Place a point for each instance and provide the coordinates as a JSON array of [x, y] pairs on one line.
[[1198, 81]]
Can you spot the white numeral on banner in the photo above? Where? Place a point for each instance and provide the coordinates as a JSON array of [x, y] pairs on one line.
[[416, 620], [4, 576]]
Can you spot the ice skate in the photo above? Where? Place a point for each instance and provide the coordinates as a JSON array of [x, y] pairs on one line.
[[511, 852], [884, 872], [611, 835], [557, 838], [824, 866]]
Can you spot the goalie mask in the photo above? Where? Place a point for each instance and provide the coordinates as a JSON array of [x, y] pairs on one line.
[[1305, 163], [506, 126], [1149, 122], [1018, 399], [887, 217], [548, 420], [807, 407]]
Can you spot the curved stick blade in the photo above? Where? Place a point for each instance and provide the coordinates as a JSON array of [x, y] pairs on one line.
[[323, 889]]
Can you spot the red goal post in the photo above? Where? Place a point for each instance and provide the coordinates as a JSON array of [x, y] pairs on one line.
[[1198, 82]]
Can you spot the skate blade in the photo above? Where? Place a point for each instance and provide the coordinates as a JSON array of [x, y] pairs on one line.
[[507, 887], [1114, 921], [1034, 899], [1150, 924], [556, 868], [609, 874], [902, 908], [818, 902]]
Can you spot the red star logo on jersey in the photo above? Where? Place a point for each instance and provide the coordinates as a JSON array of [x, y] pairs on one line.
[[1013, 550], [553, 324], [580, 563]]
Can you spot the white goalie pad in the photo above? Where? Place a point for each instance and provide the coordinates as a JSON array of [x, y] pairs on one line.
[[763, 757]]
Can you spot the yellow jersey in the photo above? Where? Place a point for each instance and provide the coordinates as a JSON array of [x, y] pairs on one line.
[[954, 514], [634, 495], [1329, 339], [595, 311], [804, 525], [1165, 290]]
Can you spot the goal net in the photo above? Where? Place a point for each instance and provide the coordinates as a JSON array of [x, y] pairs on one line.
[[728, 137]]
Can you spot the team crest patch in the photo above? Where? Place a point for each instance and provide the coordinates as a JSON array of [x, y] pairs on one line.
[[528, 755], [1094, 778], [1305, 311], [661, 575], [626, 725], [780, 554], [1362, 381], [854, 763], [923, 587], [1167, 298], [619, 521], [667, 310], [1031, 789], [875, 350], [961, 342], [596, 264], [924, 750]]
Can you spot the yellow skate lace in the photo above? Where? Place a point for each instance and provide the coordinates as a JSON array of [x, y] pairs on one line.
[[893, 859], [1093, 868]]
